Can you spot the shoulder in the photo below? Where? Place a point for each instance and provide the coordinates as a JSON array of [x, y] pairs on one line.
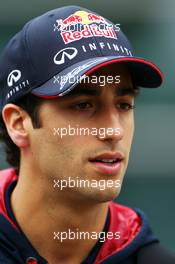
[[155, 253]]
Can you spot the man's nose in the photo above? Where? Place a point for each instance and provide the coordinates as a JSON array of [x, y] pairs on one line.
[[109, 125]]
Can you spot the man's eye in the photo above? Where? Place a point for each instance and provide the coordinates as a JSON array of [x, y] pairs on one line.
[[125, 106], [82, 106]]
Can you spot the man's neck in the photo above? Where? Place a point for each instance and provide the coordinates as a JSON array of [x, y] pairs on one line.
[[44, 216]]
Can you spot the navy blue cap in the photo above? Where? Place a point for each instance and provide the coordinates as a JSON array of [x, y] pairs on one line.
[[54, 51]]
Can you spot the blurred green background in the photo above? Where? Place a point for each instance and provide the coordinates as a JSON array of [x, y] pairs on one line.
[[150, 25]]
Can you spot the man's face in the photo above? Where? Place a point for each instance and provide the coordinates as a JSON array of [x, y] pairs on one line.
[[100, 155]]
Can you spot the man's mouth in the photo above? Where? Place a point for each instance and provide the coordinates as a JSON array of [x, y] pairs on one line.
[[108, 163]]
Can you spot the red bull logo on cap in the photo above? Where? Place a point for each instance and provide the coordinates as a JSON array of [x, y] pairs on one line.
[[82, 24]]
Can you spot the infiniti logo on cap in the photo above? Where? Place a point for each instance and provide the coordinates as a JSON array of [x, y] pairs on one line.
[[60, 57], [13, 77]]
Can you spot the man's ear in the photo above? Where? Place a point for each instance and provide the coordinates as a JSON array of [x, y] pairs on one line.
[[17, 122]]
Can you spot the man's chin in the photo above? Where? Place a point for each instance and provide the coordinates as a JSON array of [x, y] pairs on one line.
[[104, 195]]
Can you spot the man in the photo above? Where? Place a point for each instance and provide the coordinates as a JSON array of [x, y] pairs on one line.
[[67, 88]]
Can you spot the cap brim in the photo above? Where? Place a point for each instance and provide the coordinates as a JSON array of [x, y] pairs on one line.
[[144, 73]]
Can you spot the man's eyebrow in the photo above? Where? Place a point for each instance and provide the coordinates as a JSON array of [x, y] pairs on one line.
[[96, 91]]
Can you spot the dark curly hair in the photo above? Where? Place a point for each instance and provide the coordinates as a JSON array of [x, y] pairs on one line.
[[30, 104]]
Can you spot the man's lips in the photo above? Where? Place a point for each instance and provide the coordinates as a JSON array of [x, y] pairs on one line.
[[108, 163]]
